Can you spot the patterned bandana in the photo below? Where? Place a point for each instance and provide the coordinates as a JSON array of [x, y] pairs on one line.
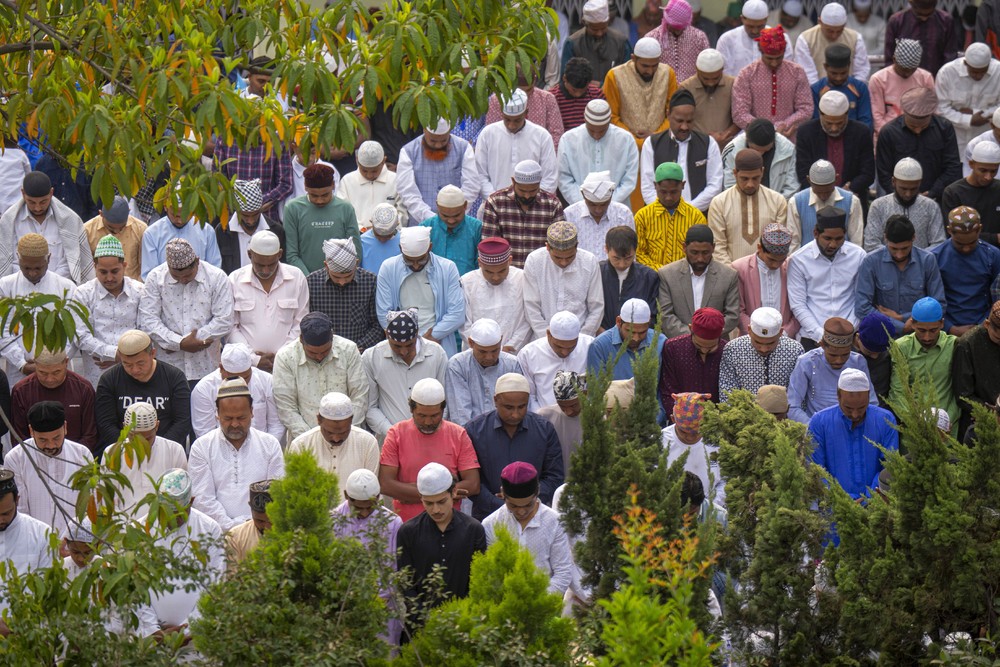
[[908, 53], [402, 325], [180, 254], [776, 239], [677, 15], [249, 197], [689, 408], [568, 385], [260, 495], [109, 246], [341, 255], [963, 218], [772, 41]]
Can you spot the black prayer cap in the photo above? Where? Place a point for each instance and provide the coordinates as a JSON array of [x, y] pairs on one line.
[[316, 329], [36, 184], [830, 217], [682, 97], [760, 132], [7, 482], [699, 234], [46, 416], [837, 55]]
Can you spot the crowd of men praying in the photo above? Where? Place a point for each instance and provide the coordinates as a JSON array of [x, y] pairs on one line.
[[753, 199]]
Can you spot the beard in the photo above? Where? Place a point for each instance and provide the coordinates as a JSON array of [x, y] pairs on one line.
[[525, 201]]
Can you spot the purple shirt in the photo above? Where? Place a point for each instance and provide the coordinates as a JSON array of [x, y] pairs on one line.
[[936, 34], [682, 369], [380, 522]]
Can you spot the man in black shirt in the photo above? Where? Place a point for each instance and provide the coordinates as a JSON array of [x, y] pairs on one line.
[[979, 189], [976, 369], [140, 377], [437, 536]]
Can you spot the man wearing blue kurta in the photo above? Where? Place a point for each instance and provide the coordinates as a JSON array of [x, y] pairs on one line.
[[472, 374], [172, 226], [846, 435], [455, 235], [813, 385], [969, 268], [633, 325]]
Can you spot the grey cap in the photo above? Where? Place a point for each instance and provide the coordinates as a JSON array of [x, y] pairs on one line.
[[117, 213]]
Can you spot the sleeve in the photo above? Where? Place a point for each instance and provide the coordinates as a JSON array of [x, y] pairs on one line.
[[409, 193], [212, 253], [483, 149], [273, 425], [803, 104], [647, 170], [885, 159], [88, 437], [863, 108], [732, 307], [896, 384], [952, 167], [222, 310], [384, 296], [292, 239], [877, 94], [560, 563], [803, 57], [727, 376], [890, 39], [553, 120], [798, 386], [875, 228], [374, 334], [377, 421], [742, 97], [672, 325], [204, 490], [491, 221], [864, 295], [948, 98], [856, 223], [717, 223], [454, 316], [667, 385], [456, 391], [357, 386], [963, 376], [612, 96], [203, 417], [282, 178], [149, 318], [533, 298], [180, 410], [550, 166], [861, 69], [935, 232], [623, 191], [568, 187], [285, 390], [798, 301], [819, 437], [149, 260], [108, 424], [553, 472], [86, 258], [865, 176], [471, 180], [595, 302], [933, 283], [714, 174]]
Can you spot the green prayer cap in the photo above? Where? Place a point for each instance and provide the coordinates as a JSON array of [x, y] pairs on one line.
[[668, 171], [109, 246]]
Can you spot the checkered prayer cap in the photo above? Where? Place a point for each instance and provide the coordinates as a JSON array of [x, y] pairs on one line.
[[402, 325], [341, 255], [109, 246], [908, 53], [249, 196]]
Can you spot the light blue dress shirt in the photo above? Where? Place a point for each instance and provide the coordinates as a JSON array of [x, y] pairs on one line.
[[605, 347], [157, 235], [813, 385], [880, 283]]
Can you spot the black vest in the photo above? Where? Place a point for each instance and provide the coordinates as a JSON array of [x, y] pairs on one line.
[[665, 149]]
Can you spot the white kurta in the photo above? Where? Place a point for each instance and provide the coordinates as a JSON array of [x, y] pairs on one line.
[[164, 455], [540, 365], [14, 285], [503, 303], [55, 505], [359, 450], [265, 412], [698, 463], [25, 544], [498, 151], [549, 289], [738, 50], [957, 90], [111, 316], [221, 475], [180, 606], [365, 195], [872, 31]]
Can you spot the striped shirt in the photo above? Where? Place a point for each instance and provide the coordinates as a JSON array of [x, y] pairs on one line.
[[572, 108], [661, 235], [524, 230]]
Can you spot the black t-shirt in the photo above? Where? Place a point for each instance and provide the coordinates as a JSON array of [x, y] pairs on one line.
[[167, 390], [985, 200], [422, 546]]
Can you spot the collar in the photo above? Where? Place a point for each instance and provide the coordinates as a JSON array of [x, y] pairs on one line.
[[498, 425], [127, 289], [939, 344], [198, 277], [303, 359], [679, 141], [262, 225], [835, 197], [703, 273]]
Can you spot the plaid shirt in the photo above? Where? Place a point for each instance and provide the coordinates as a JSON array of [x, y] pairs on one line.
[[351, 308], [275, 173], [524, 230]]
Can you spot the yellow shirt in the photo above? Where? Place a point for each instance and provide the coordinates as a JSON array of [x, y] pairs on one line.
[[661, 235], [130, 237]]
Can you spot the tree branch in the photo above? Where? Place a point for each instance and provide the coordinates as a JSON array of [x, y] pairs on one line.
[[18, 47]]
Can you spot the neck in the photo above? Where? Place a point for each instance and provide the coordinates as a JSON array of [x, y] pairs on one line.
[[511, 429], [266, 283], [236, 443], [117, 290]]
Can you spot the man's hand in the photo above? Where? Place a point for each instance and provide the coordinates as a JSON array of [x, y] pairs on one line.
[[102, 364], [461, 493], [266, 362], [509, 350], [268, 205], [967, 110], [890, 313], [959, 330], [430, 336], [191, 342], [978, 119], [28, 368], [908, 326]]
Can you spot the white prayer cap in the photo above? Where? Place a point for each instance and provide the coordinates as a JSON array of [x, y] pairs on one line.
[[710, 60], [755, 10], [941, 417], [427, 392], [986, 152], [415, 241], [517, 104], [485, 332], [765, 322], [341, 255], [834, 103], [822, 172], [862, 4], [336, 406], [996, 118], [451, 196], [362, 484], [833, 14], [647, 47], [908, 169], [978, 55], [145, 416], [384, 219], [370, 154], [442, 127], [265, 243], [512, 382], [527, 172], [564, 325], [851, 379], [433, 479], [80, 531], [598, 186], [237, 358], [597, 112], [596, 11], [635, 311], [792, 7]]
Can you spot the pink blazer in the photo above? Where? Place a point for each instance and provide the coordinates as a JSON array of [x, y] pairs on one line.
[[749, 286]]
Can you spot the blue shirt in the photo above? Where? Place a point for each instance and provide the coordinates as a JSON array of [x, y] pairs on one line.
[[157, 235], [813, 385], [469, 387], [857, 94], [534, 442], [848, 452], [460, 244], [374, 252], [605, 347], [880, 283], [967, 280]]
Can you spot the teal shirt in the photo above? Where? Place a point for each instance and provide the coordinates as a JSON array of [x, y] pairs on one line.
[[307, 226], [934, 363], [460, 245]]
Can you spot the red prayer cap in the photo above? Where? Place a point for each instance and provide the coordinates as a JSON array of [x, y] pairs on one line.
[[707, 323], [772, 41]]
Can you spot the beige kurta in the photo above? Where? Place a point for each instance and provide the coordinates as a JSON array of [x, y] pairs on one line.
[[240, 541], [737, 221], [715, 109], [360, 450]]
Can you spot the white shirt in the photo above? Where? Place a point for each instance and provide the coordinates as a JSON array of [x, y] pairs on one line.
[[14, 285], [44, 487], [265, 412], [956, 89], [738, 50], [365, 195], [698, 463], [770, 285], [540, 365], [713, 173], [48, 228], [390, 381], [25, 544], [164, 455], [498, 151], [549, 289], [409, 193], [170, 311], [819, 288], [264, 321], [579, 154], [860, 67], [181, 606], [697, 286], [590, 232], [221, 475], [14, 166], [544, 537], [111, 316], [359, 450], [503, 303], [242, 237]]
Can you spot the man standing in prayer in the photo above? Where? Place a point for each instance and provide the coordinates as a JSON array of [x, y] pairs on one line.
[[713, 98], [624, 278], [473, 373], [680, 42], [924, 23], [315, 218], [245, 537], [338, 446], [373, 183], [53, 381], [662, 225], [969, 267], [905, 200], [236, 361], [889, 83], [506, 143], [763, 356], [428, 163], [596, 213], [633, 329], [741, 47], [823, 193], [763, 278], [811, 46], [381, 241], [968, 91], [496, 291], [691, 361], [602, 47], [454, 233], [597, 146], [115, 221], [345, 293], [563, 348], [246, 222]]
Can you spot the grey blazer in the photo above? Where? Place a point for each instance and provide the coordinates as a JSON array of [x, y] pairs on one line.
[[677, 296]]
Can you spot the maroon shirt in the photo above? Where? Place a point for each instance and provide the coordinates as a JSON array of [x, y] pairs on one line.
[[572, 108], [681, 370], [77, 396]]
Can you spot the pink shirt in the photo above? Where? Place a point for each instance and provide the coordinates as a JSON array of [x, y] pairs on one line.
[[886, 88], [782, 96], [267, 320], [410, 450]]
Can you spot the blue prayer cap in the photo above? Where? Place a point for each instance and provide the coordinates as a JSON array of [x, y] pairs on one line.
[[927, 309], [874, 331]]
